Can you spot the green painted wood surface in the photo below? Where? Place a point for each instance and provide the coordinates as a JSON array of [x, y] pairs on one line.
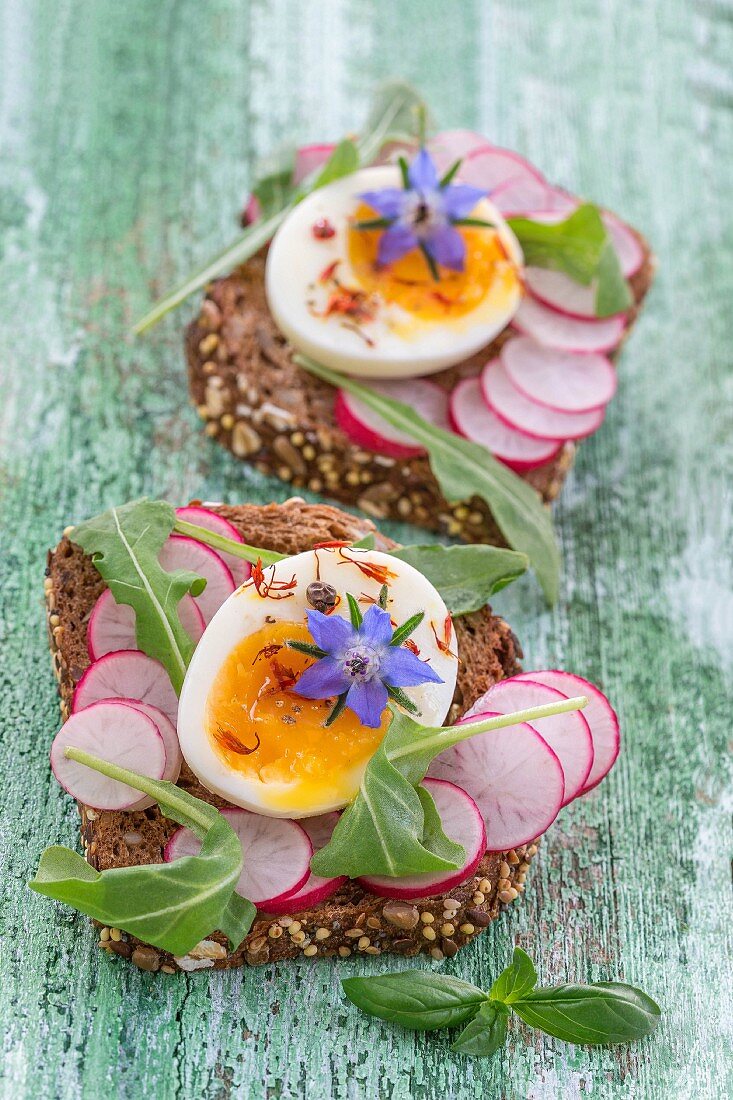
[[128, 131]]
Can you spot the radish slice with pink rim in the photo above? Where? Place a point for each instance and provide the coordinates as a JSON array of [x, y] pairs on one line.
[[558, 330], [492, 168], [111, 625], [463, 823], [561, 293], [599, 714], [529, 418], [564, 381], [451, 145], [166, 729], [277, 855], [518, 195], [474, 420], [367, 429], [179, 552], [514, 778], [310, 157], [316, 888], [627, 245], [568, 735], [127, 674], [118, 734], [212, 521]]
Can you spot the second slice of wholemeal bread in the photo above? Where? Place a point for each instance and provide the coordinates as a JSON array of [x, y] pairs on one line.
[[352, 920]]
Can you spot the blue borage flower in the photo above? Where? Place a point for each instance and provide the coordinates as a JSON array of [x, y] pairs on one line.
[[424, 214], [363, 662]]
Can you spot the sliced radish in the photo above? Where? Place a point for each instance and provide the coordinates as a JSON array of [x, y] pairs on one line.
[[166, 729], [525, 416], [517, 196], [493, 168], [565, 381], [252, 210], [561, 293], [558, 330], [474, 419], [316, 888], [127, 674], [118, 734], [367, 429], [451, 145], [212, 521], [112, 625], [183, 553], [568, 735], [513, 776], [462, 822], [599, 714], [626, 243], [277, 855], [310, 157]]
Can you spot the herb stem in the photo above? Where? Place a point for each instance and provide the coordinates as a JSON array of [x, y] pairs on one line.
[[448, 736], [252, 554], [137, 782]]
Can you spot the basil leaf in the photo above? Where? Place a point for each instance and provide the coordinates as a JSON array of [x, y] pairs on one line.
[[519, 979], [381, 832], [580, 247], [464, 469], [485, 1033], [605, 1012], [343, 161], [171, 905], [393, 118], [124, 544], [416, 999], [465, 576]]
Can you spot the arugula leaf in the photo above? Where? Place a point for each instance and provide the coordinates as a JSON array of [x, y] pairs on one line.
[[519, 979], [580, 247], [464, 469], [124, 544], [604, 1012], [466, 576], [416, 999], [171, 905], [274, 187], [486, 1032], [391, 828], [394, 117]]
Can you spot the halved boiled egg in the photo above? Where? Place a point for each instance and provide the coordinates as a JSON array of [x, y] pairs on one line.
[[244, 730], [333, 301]]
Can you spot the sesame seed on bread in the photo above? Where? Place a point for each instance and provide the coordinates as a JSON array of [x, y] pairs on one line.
[[352, 920], [257, 402]]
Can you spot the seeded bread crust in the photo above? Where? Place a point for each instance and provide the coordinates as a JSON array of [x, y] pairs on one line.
[[258, 403], [352, 920]]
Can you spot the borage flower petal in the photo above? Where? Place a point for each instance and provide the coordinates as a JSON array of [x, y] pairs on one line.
[[376, 627], [367, 699], [389, 203], [331, 633], [323, 679], [447, 247], [459, 199], [401, 668], [395, 243], [422, 173]]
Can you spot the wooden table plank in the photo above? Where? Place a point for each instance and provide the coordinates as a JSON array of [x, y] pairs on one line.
[[127, 135]]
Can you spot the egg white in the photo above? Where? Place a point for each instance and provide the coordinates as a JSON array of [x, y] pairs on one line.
[[245, 612], [296, 259]]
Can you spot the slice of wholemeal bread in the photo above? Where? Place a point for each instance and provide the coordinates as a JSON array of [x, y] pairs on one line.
[[352, 920], [257, 402]]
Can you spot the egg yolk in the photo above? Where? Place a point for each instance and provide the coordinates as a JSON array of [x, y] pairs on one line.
[[263, 730], [409, 284]]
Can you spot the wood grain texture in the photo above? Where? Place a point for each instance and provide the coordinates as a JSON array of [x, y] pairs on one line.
[[128, 132]]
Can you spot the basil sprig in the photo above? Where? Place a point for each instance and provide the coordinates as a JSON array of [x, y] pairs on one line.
[[392, 827], [124, 544], [597, 1014], [170, 905], [393, 118], [580, 247], [464, 469]]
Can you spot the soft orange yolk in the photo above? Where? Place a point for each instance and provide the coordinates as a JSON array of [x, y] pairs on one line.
[[261, 728], [408, 282]]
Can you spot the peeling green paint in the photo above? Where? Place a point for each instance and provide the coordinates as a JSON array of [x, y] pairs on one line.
[[128, 132]]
